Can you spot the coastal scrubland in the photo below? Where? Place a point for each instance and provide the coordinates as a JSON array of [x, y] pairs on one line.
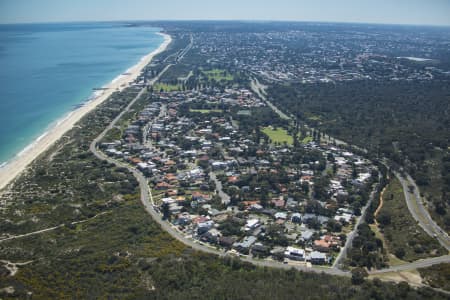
[[404, 238]]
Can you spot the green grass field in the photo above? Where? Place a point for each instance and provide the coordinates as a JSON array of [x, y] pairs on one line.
[[278, 135], [312, 117], [244, 113], [307, 139], [218, 75], [166, 87]]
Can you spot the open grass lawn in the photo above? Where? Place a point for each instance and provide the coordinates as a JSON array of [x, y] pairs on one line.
[[404, 238], [218, 75], [278, 135], [157, 196], [206, 111], [159, 86], [307, 139], [244, 113]]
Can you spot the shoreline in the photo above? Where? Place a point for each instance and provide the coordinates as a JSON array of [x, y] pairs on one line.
[[11, 169]]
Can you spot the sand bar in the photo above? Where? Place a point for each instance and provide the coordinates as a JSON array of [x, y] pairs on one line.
[[17, 165]]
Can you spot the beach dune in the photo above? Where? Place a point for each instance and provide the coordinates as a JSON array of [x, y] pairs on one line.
[[17, 165]]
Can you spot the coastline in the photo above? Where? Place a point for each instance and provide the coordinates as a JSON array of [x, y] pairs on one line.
[[13, 168]]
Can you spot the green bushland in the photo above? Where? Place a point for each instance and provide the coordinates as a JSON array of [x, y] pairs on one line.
[[405, 121], [404, 238], [437, 276]]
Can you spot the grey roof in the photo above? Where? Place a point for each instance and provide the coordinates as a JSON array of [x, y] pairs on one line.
[[247, 242], [318, 255]]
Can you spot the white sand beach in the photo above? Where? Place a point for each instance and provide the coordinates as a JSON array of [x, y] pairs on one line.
[[17, 165]]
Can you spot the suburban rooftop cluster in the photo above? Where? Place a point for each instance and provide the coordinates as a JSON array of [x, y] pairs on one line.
[[315, 55], [221, 175]]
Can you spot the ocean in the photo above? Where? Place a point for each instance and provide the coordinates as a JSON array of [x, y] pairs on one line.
[[47, 70]]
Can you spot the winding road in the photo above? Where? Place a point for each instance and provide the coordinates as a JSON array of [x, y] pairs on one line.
[[419, 212]]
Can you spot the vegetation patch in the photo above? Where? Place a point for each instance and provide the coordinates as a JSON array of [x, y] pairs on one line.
[[244, 113], [437, 276], [367, 249], [365, 114], [307, 139], [166, 87], [404, 238], [218, 75]]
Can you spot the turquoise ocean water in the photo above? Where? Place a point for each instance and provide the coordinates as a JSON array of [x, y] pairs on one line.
[[46, 70]]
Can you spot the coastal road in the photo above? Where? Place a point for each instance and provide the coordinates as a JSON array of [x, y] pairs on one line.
[[183, 52]]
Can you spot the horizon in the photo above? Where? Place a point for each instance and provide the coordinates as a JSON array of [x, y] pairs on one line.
[[227, 20], [401, 12]]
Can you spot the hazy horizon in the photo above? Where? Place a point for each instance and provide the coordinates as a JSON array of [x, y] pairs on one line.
[[223, 20], [401, 12]]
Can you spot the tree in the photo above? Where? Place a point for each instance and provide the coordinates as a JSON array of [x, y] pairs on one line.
[[358, 275], [384, 218], [399, 252], [165, 211]]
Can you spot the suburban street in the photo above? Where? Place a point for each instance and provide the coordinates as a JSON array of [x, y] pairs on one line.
[[223, 196], [343, 253]]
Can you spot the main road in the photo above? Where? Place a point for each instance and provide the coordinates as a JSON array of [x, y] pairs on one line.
[[419, 212]]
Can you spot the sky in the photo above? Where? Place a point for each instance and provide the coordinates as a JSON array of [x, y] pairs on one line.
[[422, 12]]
